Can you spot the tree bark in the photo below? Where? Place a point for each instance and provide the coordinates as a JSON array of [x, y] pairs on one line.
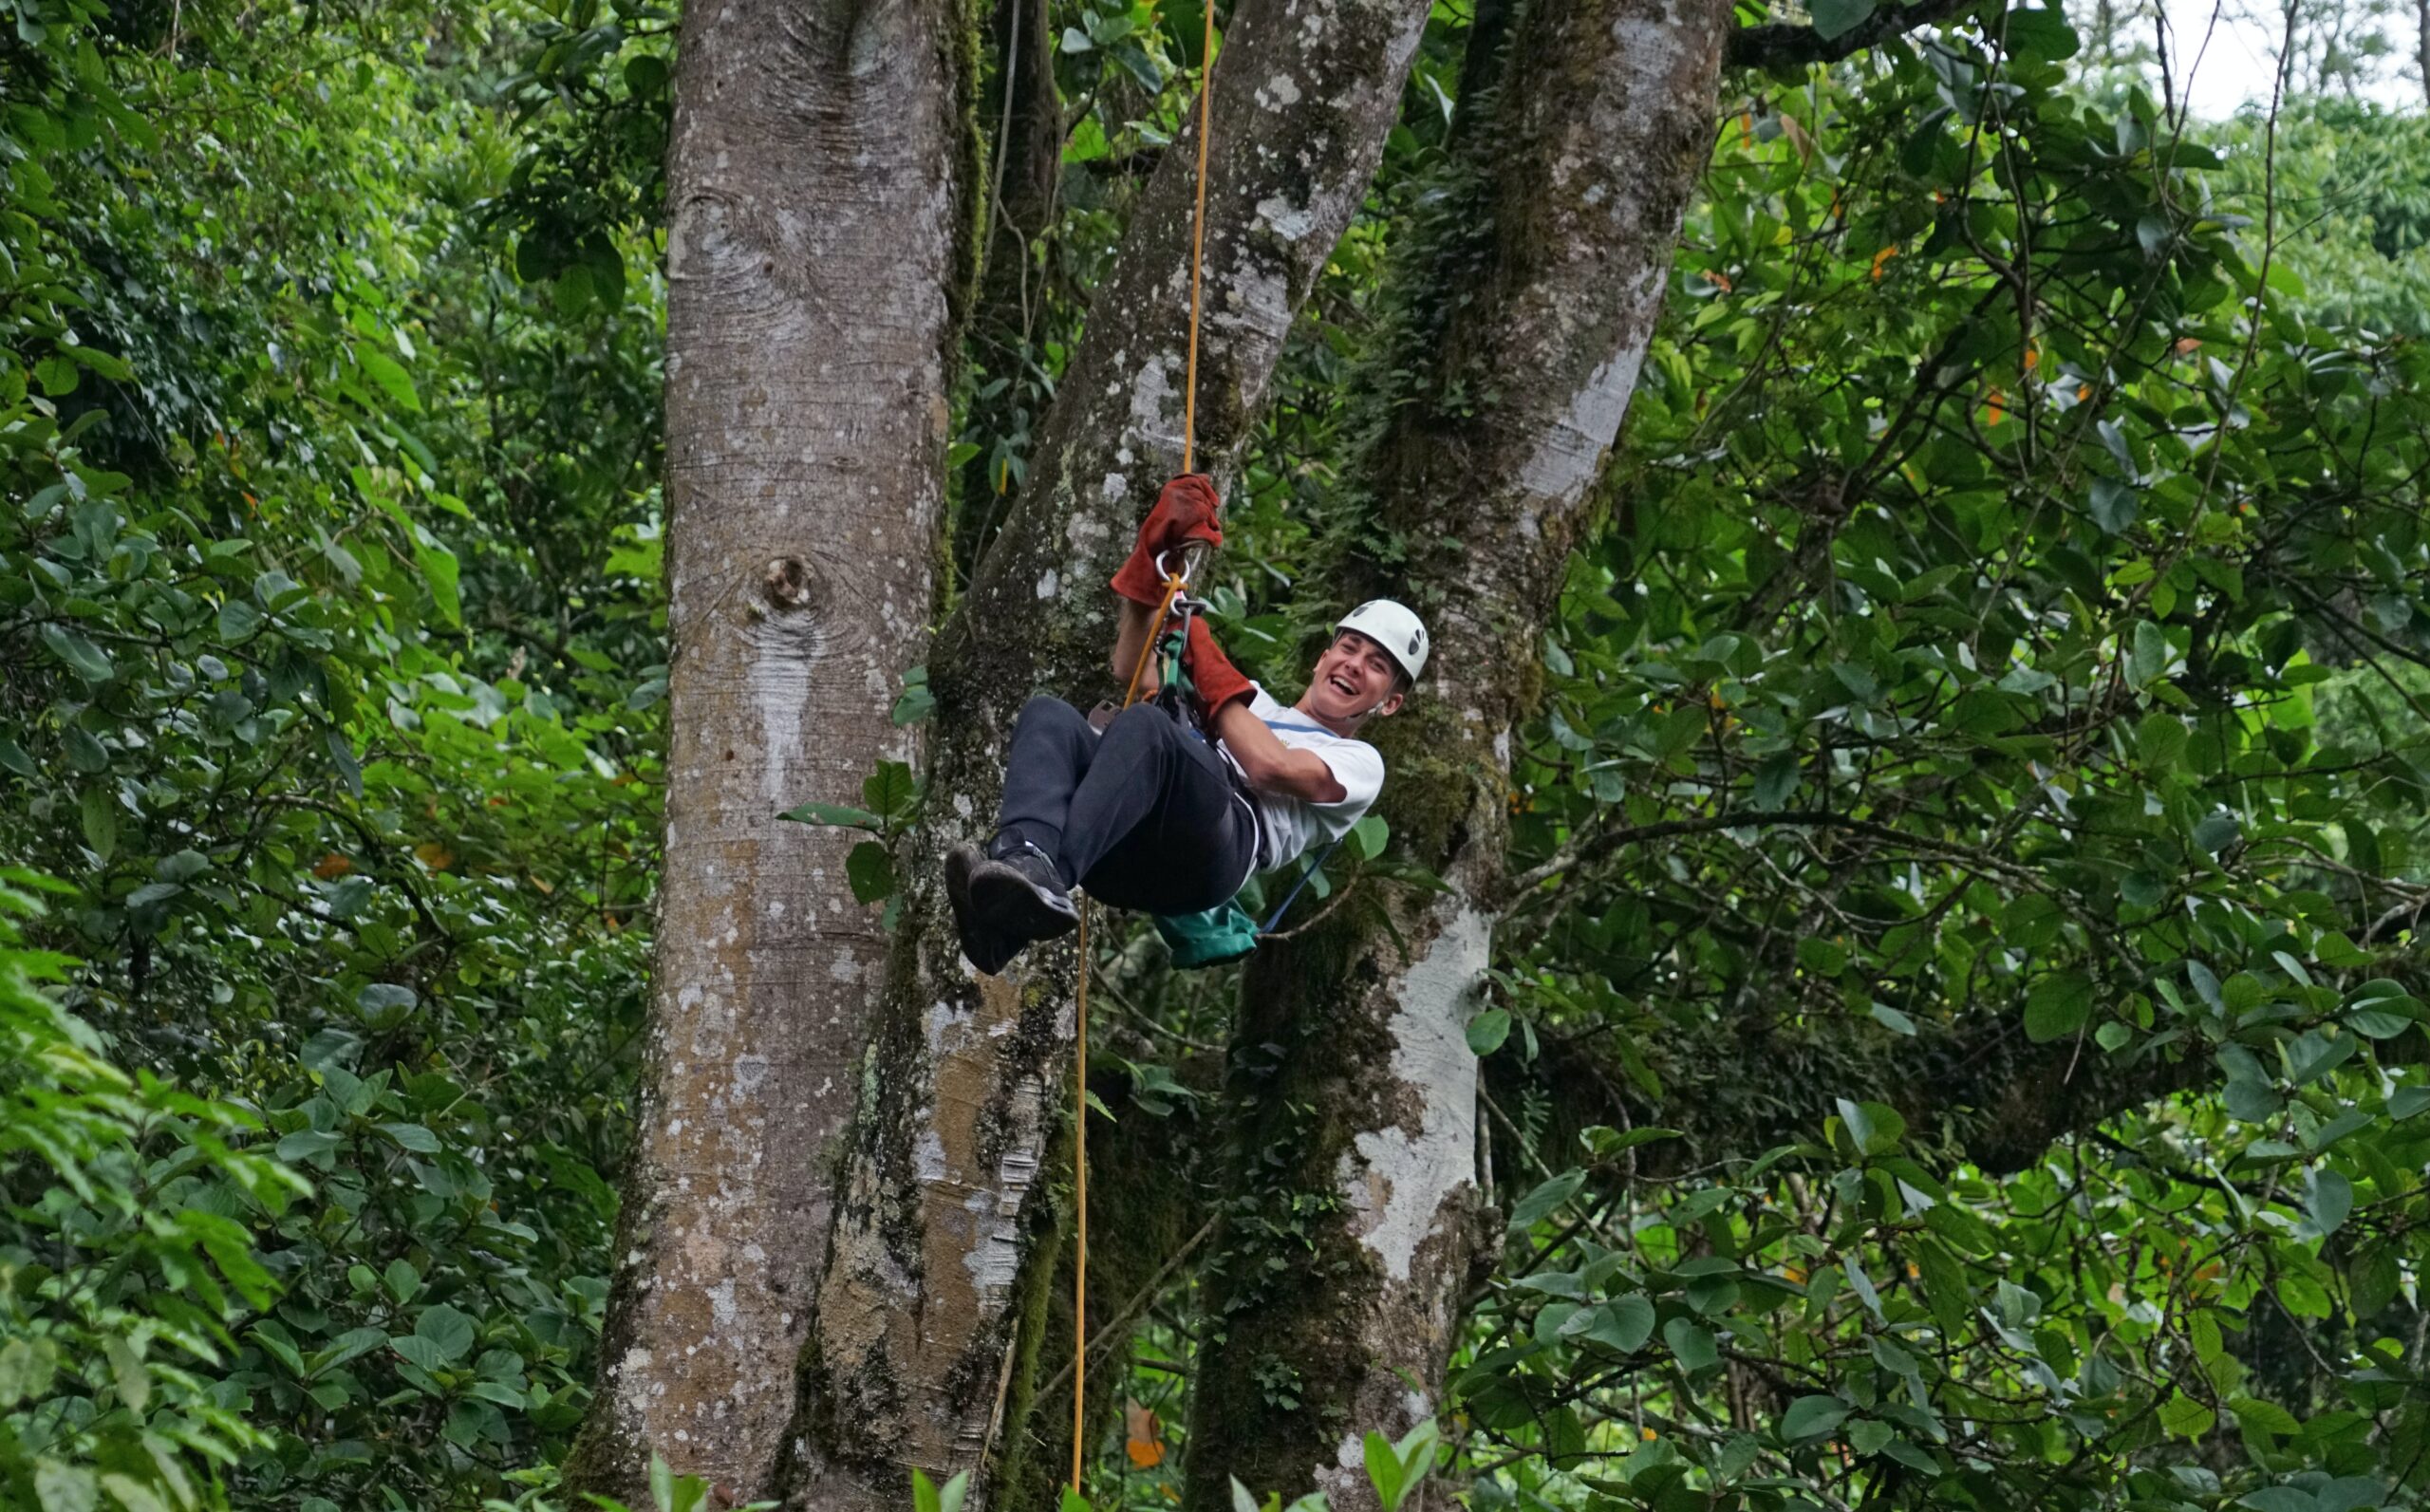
[[909, 1358], [818, 227], [1533, 291]]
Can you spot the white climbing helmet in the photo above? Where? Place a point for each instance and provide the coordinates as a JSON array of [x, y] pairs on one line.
[[1394, 626]]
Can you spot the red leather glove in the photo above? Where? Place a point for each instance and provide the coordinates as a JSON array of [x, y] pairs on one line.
[[1185, 511], [1213, 676]]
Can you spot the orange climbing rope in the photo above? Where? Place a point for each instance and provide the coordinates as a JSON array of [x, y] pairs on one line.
[[1174, 583]]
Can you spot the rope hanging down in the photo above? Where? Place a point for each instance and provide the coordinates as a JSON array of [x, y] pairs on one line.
[[1174, 583]]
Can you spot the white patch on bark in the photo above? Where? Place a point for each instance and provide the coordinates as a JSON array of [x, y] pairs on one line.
[[1278, 92], [1049, 584], [1565, 459], [1288, 223], [994, 1258], [1397, 1186], [942, 1016], [780, 681]]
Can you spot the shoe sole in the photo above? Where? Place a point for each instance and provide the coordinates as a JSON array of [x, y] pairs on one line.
[[981, 947], [1006, 902]]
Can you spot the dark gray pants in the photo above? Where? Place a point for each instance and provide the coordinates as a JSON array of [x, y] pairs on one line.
[[1145, 816]]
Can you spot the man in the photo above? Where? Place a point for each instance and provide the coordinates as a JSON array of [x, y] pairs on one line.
[[1150, 815]]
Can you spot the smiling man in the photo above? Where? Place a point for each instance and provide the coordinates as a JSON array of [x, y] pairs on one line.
[[1152, 814]]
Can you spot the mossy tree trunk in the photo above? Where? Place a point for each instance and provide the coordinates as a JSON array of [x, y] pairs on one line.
[[1023, 119], [1538, 281], [1148, 1201], [964, 1083], [817, 233]]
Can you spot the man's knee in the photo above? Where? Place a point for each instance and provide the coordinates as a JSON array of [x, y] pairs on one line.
[[1047, 712], [1142, 724]]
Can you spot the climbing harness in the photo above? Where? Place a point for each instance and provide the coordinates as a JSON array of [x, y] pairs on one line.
[[1176, 582]]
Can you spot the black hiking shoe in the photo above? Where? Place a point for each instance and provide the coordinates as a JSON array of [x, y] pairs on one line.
[[983, 947], [1019, 894]]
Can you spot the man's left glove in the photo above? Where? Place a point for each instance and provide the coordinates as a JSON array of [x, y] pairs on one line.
[[1214, 681], [1185, 511]]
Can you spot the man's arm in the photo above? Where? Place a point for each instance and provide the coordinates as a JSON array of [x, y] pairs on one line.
[[1270, 765], [1131, 629]]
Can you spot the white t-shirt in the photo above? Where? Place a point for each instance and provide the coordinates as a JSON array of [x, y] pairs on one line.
[[1292, 825]]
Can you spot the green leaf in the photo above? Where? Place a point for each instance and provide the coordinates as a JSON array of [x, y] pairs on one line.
[[439, 569], [1544, 1199], [26, 1369], [1603, 1141], [64, 1487], [386, 371], [133, 1494], [2185, 1418], [1384, 1471], [238, 619], [1487, 1030], [80, 655], [915, 705], [97, 811], [2057, 1006], [890, 790], [450, 1330], [2160, 740], [2218, 832], [870, 869], [1836, 18], [2042, 33], [419, 1351], [1810, 1417], [127, 1373], [402, 1280], [670, 1493], [57, 375], [2115, 504], [412, 1136], [1368, 836], [2326, 1204], [834, 814], [1691, 1344], [1874, 1129], [1624, 1324], [307, 1143]]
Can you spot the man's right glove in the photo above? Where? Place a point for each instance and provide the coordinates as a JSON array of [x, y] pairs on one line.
[[1185, 511], [1213, 679]]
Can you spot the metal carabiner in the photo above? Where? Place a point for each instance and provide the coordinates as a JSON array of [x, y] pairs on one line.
[[1193, 556]]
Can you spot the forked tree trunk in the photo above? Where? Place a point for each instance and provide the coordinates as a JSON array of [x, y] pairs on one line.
[[817, 231], [1538, 281], [909, 1359]]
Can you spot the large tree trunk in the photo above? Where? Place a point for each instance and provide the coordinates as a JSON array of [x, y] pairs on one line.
[[1538, 282], [818, 225], [909, 1359]]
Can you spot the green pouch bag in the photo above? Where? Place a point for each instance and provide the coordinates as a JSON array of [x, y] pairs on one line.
[[1209, 937]]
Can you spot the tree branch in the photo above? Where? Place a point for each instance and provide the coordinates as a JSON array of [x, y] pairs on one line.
[[1978, 1086], [1781, 45]]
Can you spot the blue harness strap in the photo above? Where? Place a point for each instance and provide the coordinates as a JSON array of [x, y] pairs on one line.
[[1305, 873]]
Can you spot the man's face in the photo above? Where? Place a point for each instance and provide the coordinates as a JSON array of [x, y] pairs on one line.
[[1354, 679]]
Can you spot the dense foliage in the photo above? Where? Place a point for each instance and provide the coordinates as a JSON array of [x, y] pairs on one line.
[[329, 610], [1997, 687]]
